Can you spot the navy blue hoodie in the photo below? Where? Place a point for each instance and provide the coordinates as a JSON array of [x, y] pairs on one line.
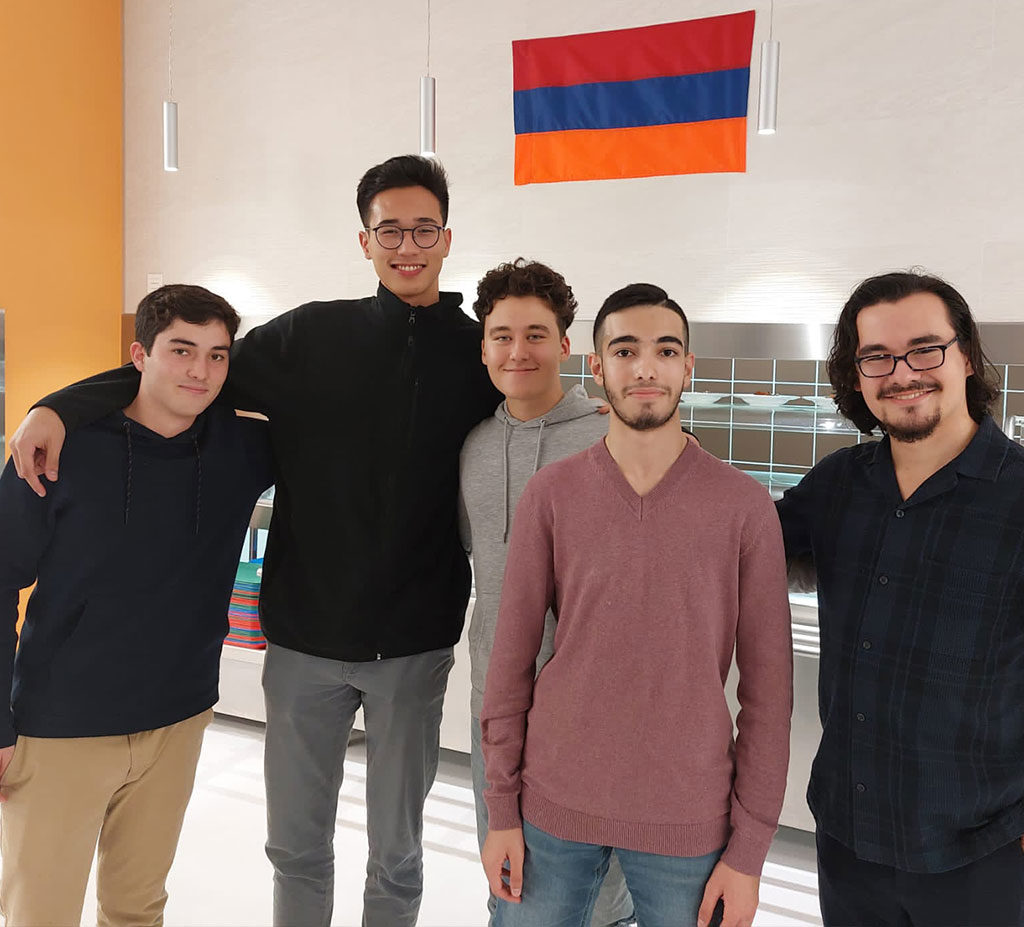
[[133, 552]]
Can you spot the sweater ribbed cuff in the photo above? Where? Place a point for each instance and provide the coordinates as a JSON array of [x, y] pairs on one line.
[[745, 854], [503, 812]]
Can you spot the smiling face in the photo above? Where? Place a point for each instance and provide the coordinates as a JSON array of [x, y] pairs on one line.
[[913, 404], [408, 271], [643, 365], [181, 376], [522, 350]]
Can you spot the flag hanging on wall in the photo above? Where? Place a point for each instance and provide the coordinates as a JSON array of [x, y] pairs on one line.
[[667, 99]]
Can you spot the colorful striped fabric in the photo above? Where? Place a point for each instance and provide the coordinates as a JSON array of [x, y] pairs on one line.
[[243, 610], [668, 99]]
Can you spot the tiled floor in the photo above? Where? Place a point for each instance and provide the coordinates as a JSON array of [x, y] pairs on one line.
[[221, 877]]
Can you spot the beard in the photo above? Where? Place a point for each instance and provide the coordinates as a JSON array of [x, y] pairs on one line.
[[914, 428], [647, 419]]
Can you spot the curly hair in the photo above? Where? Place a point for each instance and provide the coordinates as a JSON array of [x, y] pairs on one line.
[[982, 384], [526, 278]]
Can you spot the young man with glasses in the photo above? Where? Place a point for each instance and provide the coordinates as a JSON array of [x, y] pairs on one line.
[[365, 582], [918, 785], [660, 562]]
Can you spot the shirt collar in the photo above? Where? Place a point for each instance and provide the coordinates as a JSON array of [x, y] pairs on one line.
[[982, 459], [392, 303]]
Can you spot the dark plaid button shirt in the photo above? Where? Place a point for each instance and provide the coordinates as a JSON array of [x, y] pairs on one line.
[[921, 684]]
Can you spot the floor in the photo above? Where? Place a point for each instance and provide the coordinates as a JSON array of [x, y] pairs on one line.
[[221, 877]]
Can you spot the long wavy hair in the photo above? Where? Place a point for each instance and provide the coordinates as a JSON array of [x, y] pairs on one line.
[[982, 385]]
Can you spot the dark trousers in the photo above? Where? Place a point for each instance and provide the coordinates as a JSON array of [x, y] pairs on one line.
[[986, 893]]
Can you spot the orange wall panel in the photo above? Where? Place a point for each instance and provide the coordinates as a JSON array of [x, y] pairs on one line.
[[61, 193]]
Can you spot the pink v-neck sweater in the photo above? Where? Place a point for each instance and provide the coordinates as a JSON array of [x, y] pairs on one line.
[[625, 738]]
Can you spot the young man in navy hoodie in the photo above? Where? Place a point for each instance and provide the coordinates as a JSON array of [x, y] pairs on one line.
[[133, 554]]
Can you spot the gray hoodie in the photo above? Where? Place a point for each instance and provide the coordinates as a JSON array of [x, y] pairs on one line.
[[498, 458]]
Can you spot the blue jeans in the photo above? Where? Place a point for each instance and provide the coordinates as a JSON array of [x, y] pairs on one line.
[[561, 879], [613, 908]]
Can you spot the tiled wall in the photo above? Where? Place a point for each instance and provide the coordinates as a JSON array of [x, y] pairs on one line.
[[784, 423]]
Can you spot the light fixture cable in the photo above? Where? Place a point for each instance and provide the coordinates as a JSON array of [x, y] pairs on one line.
[[170, 107], [428, 107]]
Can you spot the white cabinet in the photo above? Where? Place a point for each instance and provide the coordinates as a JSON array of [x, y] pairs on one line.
[[241, 694]]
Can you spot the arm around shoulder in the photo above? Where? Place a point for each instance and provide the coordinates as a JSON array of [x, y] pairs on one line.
[[37, 443]]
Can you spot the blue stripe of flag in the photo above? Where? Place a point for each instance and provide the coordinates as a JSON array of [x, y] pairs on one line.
[[622, 104]]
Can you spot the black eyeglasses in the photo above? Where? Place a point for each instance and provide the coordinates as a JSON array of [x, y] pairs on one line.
[[392, 236], [927, 358]]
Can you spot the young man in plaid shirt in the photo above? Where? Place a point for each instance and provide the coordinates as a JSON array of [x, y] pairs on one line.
[[918, 785]]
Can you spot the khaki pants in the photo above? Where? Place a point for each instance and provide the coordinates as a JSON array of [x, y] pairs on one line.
[[129, 792]]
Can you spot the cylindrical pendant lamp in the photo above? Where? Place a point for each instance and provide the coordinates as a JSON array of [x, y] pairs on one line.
[[428, 133], [170, 136], [768, 99]]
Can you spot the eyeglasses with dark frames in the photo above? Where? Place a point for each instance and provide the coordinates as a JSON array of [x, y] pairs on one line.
[[392, 236], [926, 358]]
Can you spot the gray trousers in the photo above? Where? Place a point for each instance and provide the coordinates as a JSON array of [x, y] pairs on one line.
[[614, 906], [311, 704]]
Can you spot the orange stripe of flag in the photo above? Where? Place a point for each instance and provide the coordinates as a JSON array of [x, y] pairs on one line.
[[643, 151]]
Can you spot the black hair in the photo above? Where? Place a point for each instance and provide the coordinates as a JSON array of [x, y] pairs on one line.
[[402, 171], [638, 294], [982, 384]]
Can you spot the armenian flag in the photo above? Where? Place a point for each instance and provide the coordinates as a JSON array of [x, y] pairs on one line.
[[665, 99]]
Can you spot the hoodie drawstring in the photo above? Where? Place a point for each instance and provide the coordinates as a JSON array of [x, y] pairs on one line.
[[199, 478], [540, 433], [128, 479], [504, 474]]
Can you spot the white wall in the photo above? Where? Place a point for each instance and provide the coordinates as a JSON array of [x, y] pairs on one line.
[[900, 143]]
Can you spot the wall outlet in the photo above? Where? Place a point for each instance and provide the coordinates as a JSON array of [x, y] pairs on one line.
[[154, 282]]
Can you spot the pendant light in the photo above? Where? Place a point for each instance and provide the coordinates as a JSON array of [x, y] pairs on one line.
[[768, 98], [428, 88], [170, 107]]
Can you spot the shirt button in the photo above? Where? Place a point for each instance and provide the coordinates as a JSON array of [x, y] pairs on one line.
[[861, 787], [860, 715], [883, 580], [866, 645], [900, 513]]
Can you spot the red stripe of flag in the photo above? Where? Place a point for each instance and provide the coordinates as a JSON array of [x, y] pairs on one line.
[[713, 44]]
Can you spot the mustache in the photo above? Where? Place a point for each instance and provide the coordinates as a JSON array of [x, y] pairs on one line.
[[890, 391]]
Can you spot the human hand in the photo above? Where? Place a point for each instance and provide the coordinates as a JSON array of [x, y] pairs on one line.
[[503, 846], [36, 446], [6, 755], [738, 893]]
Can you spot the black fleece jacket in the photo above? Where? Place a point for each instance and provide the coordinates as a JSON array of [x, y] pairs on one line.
[[369, 401], [133, 551]]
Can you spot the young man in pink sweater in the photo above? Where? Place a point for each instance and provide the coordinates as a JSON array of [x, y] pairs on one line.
[[659, 561]]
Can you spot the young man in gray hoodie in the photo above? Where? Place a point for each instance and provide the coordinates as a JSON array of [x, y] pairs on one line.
[[525, 308]]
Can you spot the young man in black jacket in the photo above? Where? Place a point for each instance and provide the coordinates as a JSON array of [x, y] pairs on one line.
[[133, 553], [365, 582]]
